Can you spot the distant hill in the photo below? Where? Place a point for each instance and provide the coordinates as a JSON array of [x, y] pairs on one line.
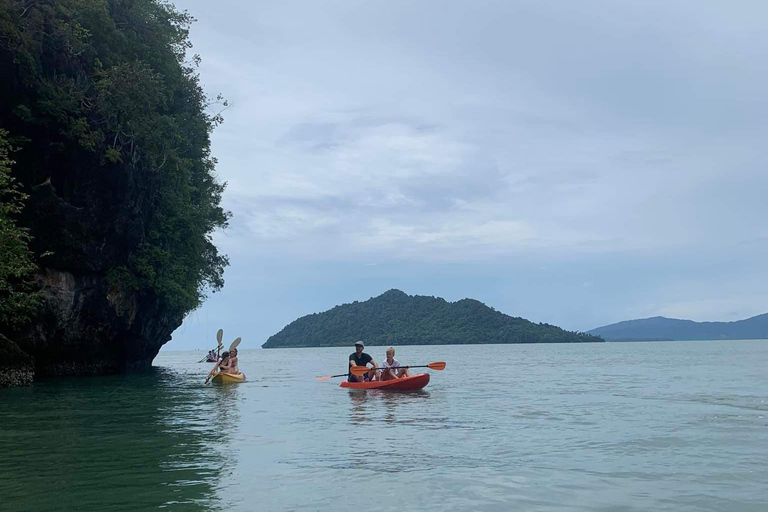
[[661, 328], [395, 318]]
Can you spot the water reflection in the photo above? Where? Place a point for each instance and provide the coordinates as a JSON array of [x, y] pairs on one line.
[[393, 419], [358, 412], [156, 440], [392, 401], [366, 405]]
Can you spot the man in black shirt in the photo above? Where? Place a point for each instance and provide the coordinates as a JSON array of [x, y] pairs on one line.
[[360, 358]]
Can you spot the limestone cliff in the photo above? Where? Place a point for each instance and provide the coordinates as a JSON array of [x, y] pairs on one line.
[[110, 134], [87, 324]]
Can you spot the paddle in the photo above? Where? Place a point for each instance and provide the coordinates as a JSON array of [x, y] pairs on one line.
[[321, 379], [235, 344], [213, 370], [362, 370]]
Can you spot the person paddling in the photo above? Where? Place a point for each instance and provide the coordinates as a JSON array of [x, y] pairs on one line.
[[360, 358], [391, 367], [218, 366], [233, 368], [230, 366]]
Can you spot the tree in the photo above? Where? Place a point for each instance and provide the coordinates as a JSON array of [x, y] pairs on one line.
[[110, 112], [17, 298]]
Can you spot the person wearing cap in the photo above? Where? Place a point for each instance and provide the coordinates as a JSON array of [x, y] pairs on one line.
[[360, 358]]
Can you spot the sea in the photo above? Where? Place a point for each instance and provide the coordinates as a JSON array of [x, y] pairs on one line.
[[666, 426]]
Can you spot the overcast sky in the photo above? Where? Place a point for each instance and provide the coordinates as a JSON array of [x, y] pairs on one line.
[[577, 163]]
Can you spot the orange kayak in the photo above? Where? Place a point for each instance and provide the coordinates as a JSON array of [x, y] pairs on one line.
[[412, 383]]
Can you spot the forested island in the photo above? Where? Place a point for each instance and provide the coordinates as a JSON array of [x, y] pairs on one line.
[[108, 195], [395, 318], [660, 328]]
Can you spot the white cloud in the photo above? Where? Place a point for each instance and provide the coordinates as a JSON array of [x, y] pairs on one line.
[[538, 122], [429, 132]]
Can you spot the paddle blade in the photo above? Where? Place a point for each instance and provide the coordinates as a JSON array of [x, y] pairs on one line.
[[219, 335], [437, 366], [321, 379], [235, 344], [359, 370]]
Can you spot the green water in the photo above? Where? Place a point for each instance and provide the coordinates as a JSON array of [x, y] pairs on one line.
[[612, 427], [112, 443]]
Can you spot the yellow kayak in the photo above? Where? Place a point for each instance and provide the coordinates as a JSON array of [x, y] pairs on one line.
[[226, 378]]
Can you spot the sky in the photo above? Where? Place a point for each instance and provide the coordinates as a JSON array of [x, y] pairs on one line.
[[576, 163]]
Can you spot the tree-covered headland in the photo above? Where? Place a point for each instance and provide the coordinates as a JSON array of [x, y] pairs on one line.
[[115, 197], [395, 318]]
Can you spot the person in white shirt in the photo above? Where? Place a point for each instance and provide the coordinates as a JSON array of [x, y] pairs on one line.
[[391, 367]]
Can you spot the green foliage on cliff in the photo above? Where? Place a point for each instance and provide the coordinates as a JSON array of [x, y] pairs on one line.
[[17, 298], [395, 318], [99, 90]]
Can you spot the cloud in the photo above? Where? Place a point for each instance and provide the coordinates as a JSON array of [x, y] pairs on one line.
[[550, 133], [512, 127]]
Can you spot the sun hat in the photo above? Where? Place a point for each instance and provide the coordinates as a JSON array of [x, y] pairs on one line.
[[360, 343]]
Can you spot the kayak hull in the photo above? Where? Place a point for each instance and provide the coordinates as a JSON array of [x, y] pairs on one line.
[[228, 378], [412, 383]]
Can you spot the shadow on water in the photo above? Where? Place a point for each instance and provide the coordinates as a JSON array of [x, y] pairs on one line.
[[123, 442]]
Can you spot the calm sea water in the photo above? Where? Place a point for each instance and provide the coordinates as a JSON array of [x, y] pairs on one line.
[[679, 426]]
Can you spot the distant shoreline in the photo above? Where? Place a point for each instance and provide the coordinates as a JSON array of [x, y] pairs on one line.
[[351, 347], [659, 328]]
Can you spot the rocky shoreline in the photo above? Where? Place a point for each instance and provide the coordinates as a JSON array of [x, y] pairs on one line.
[[16, 367], [85, 327]]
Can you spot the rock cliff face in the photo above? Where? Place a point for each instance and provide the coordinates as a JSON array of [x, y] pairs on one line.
[[86, 328], [86, 325], [88, 219]]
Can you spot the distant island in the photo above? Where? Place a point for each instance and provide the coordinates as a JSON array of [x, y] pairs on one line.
[[660, 328], [396, 318]]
